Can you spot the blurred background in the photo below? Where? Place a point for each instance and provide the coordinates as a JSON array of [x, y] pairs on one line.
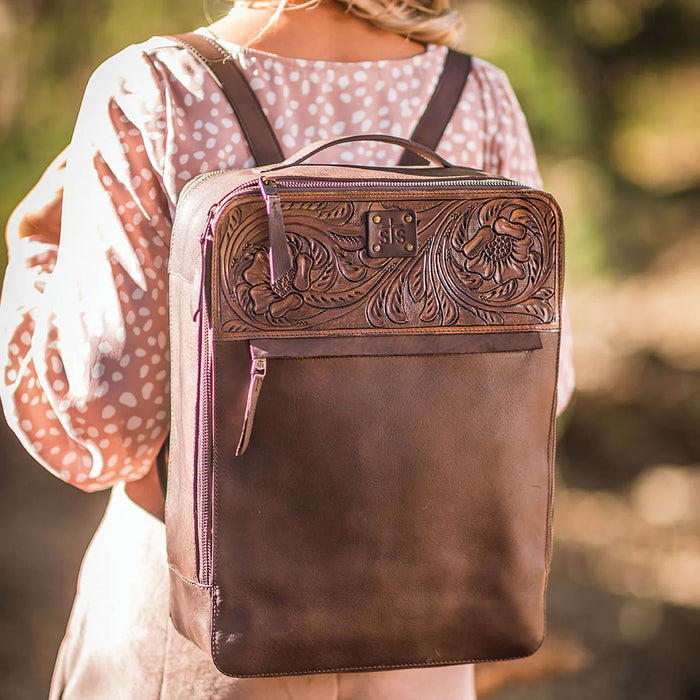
[[611, 89]]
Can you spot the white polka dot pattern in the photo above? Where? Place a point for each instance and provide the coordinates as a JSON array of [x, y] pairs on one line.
[[85, 334]]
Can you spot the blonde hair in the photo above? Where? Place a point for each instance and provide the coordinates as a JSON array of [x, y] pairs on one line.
[[426, 21]]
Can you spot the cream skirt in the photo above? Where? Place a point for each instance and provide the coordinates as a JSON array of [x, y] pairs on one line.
[[120, 642]]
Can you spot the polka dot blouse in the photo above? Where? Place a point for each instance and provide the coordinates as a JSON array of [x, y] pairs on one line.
[[85, 324]]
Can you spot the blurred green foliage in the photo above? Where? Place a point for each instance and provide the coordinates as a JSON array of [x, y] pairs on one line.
[[609, 86], [49, 50], [611, 89]]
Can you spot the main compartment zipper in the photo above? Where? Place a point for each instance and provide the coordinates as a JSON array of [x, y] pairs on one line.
[[305, 183], [205, 392]]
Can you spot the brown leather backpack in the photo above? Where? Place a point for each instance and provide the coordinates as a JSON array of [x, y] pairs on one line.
[[364, 366]]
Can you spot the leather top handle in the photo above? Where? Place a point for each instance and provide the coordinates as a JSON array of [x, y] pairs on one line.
[[313, 148]]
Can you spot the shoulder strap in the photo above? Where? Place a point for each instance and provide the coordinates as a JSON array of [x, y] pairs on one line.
[[259, 132], [256, 128], [441, 106]]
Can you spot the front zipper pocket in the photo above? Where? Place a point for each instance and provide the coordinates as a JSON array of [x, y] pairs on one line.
[[370, 346]]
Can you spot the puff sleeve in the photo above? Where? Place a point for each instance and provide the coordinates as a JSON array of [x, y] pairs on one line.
[[84, 325]]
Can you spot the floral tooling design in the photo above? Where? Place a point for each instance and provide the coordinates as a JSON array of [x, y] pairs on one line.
[[478, 263], [263, 298], [499, 252]]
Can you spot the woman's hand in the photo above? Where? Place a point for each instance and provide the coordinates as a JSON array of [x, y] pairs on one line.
[[145, 492], [38, 215]]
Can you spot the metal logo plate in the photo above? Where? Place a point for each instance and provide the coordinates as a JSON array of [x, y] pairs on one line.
[[391, 233]]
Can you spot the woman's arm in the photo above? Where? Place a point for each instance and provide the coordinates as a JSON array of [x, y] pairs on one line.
[[84, 324]]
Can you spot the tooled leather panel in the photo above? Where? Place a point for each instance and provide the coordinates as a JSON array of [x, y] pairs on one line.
[[484, 261]]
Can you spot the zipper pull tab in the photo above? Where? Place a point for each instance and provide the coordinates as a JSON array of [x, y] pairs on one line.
[[208, 232], [281, 264], [258, 369], [205, 243]]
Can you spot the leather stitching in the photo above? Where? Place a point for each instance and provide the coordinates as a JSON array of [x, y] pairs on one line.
[[378, 667], [184, 579]]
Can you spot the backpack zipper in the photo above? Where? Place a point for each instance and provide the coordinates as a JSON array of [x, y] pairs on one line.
[[268, 185], [342, 184], [204, 462], [406, 184], [263, 350], [205, 392]]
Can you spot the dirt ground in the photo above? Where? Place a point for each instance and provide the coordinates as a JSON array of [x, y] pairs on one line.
[[624, 645]]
